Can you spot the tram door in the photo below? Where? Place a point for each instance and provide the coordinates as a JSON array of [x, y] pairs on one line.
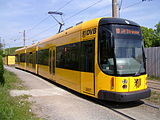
[[87, 67], [52, 63]]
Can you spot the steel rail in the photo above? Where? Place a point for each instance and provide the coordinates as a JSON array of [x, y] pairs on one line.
[[114, 110]]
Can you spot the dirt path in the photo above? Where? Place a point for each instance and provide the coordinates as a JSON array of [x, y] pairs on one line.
[[53, 103]]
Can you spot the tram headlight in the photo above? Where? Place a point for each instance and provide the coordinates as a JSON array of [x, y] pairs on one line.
[[124, 86], [124, 81]]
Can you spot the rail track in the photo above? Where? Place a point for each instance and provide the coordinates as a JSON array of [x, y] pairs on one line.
[[151, 105], [154, 85], [116, 107], [113, 108]]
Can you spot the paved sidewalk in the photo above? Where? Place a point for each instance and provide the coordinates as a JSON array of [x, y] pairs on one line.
[[54, 103]]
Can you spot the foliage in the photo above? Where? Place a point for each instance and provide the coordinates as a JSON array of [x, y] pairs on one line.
[[7, 51], [11, 51], [158, 27], [14, 108], [1, 46], [151, 36], [2, 81], [1, 52], [148, 36], [157, 33]]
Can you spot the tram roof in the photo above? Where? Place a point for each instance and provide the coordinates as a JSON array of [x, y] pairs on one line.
[[21, 49], [85, 25]]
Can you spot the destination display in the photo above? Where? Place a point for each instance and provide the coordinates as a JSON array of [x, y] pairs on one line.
[[127, 31]]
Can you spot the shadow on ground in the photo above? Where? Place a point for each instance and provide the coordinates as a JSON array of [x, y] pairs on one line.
[[108, 104]]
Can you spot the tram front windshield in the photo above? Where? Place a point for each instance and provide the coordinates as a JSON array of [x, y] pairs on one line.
[[127, 55]]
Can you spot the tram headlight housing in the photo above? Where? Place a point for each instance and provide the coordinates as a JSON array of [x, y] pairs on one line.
[[124, 86], [124, 81]]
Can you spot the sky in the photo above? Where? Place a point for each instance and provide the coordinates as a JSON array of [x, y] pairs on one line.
[[32, 16]]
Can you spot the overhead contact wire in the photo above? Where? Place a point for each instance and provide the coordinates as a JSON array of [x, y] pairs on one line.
[[83, 10], [70, 16]]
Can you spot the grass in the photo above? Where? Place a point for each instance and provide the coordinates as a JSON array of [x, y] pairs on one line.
[[154, 78], [14, 108], [155, 97]]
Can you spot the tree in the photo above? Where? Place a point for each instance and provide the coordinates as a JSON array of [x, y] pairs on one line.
[[148, 36], [151, 36], [157, 27], [1, 49], [157, 35], [1, 46], [2, 80]]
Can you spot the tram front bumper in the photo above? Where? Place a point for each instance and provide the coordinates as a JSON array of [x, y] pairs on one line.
[[124, 97]]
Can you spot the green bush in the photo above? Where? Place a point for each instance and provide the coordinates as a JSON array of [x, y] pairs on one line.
[[1, 71]]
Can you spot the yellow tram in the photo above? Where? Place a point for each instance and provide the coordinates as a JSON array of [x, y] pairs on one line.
[[103, 58], [9, 60], [20, 61]]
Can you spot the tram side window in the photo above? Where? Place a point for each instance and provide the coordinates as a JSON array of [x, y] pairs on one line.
[[27, 58], [17, 58], [30, 57], [54, 61], [22, 57], [67, 56], [43, 57], [72, 56], [37, 57], [34, 58], [87, 56], [60, 57], [106, 51]]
